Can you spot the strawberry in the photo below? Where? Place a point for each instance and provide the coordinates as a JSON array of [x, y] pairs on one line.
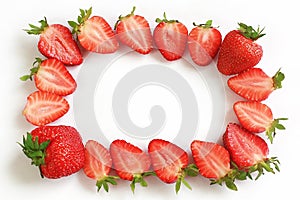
[[169, 162], [57, 151], [170, 37], [43, 108], [257, 117], [52, 76], [239, 51], [134, 31], [94, 33], [130, 162], [254, 84], [248, 151], [204, 42], [56, 41], [98, 164], [213, 162]]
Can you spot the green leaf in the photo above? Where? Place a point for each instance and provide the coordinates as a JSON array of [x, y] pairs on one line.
[[230, 184], [177, 186]]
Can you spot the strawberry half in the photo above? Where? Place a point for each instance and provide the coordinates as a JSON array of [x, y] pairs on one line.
[[204, 42], [169, 162], [43, 108], [134, 31], [52, 76], [257, 117], [98, 164], [94, 33], [254, 84], [213, 162], [130, 162], [56, 41], [248, 151], [57, 151], [239, 51], [170, 37]]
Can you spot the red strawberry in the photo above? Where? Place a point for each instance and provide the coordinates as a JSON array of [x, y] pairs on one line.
[[98, 164], [170, 37], [248, 151], [169, 162], [213, 162], [239, 51], [94, 33], [134, 31], [204, 42], [56, 41], [254, 84], [257, 117], [130, 162], [58, 151], [43, 108], [52, 76]]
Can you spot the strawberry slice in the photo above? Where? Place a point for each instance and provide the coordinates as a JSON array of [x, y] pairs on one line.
[[169, 162], [170, 37], [204, 42], [130, 162], [94, 33], [254, 84], [257, 117], [56, 41], [134, 31], [98, 164], [248, 151], [43, 108], [52, 76]]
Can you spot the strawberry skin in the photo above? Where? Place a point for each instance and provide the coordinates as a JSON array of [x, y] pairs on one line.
[[56, 41], [170, 37], [204, 42], [43, 108], [58, 151], [94, 33], [239, 51], [257, 117], [212, 160], [134, 31], [98, 164], [254, 84]]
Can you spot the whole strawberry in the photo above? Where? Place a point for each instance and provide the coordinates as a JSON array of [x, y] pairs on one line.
[[57, 151], [239, 51], [56, 41]]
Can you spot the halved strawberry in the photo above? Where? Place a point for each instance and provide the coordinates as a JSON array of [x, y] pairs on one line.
[[43, 108], [204, 42], [56, 41], [169, 162], [248, 151], [254, 84], [170, 37], [134, 31], [130, 162], [98, 164], [257, 117], [213, 162], [94, 33], [52, 76]]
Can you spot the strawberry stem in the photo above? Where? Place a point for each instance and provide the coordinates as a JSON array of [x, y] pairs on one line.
[[139, 178], [158, 20], [277, 79], [84, 15], [33, 70], [36, 30], [208, 24], [250, 32], [104, 182], [271, 131]]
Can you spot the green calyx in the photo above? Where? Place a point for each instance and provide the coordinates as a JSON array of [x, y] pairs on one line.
[[36, 65], [264, 166], [36, 30], [277, 79], [84, 15], [105, 181], [208, 24], [271, 131], [250, 32], [35, 151], [158, 20], [190, 170], [124, 17], [139, 178]]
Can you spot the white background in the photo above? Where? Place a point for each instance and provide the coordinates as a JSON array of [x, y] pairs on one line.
[[20, 180]]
